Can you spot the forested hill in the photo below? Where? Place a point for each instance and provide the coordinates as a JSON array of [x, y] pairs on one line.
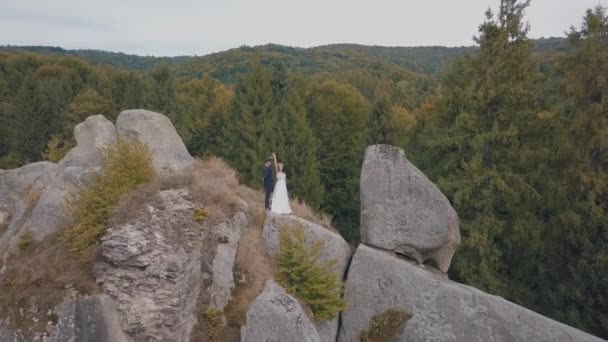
[[115, 59], [227, 65]]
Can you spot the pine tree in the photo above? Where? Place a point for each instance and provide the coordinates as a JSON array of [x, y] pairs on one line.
[[487, 150], [288, 134], [41, 104], [579, 235], [128, 90], [162, 91], [379, 123], [244, 131], [338, 114], [390, 124]]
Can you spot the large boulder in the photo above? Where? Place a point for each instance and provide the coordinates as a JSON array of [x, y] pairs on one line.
[[20, 193], [275, 316], [440, 309], [93, 134], [151, 265], [334, 248], [169, 153], [403, 211]]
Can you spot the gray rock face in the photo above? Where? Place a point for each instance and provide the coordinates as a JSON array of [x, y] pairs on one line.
[[152, 268], [20, 193], [156, 130], [32, 197], [91, 135], [229, 232], [442, 310], [16, 182], [403, 211], [335, 248], [91, 319], [9, 335], [275, 316]]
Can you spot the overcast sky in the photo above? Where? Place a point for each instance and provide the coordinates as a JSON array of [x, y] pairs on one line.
[[177, 27]]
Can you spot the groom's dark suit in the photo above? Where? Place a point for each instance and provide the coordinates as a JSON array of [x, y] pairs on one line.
[[268, 185]]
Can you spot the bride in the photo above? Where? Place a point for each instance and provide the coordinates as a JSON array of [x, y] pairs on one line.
[[280, 199]]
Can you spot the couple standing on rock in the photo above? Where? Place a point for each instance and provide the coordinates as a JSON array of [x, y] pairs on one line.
[[279, 203]]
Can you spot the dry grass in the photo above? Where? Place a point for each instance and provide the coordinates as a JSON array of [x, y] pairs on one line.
[[253, 267], [25, 240], [39, 278], [302, 210]]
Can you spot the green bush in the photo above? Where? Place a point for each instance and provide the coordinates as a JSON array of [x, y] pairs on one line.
[[126, 165], [301, 273], [385, 326]]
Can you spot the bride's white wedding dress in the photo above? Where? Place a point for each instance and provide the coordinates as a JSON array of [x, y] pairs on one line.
[[280, 199]]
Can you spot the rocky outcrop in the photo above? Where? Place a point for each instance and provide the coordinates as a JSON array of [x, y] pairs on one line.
[[95, 133], [32, 197], [276, 316], [151, 266], [334, 248], [441, 310], [403, 211], [168, 150]]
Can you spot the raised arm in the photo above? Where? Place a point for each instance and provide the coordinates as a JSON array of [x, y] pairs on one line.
[[276, 167]]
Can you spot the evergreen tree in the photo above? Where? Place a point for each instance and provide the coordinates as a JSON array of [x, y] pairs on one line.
[[244, 132], [579, 233], [390, 124], [379, 123], [162, 90], [41, 104], [270, 117], [207, 103], [289, 135], [339, 115], [487, 150], [128, 90]]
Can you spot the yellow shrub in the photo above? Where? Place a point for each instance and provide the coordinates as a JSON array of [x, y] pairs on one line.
[[126, 165], [213, 317], [385, 326], [301, 273], [199, 215]]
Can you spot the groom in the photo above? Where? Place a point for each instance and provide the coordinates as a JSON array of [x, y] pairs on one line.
[[268, 182]]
